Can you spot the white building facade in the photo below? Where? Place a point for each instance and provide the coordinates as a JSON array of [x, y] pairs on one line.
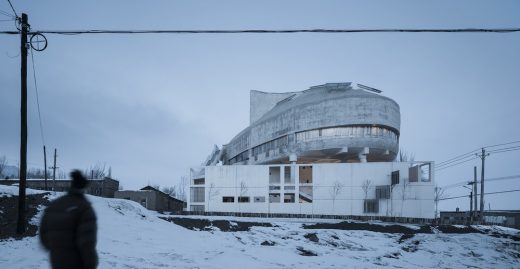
[[389, 189]]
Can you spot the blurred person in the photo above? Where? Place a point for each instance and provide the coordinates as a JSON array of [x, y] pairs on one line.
[[68, 228]]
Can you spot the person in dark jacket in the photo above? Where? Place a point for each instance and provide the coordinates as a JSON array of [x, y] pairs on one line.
[[68, 228]]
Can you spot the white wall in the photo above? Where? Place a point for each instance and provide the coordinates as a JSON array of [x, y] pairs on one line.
[[226, 181]]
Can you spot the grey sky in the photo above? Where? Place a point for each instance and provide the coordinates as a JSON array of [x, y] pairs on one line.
[[151, 106]]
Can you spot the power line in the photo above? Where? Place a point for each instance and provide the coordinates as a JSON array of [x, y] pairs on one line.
[[487, 193], [37, 97], [7, 14], [455, 164], [463, 158], [12, 8], [457, 157], [513, 142], [264, 31], [505, 149], [462, 183]]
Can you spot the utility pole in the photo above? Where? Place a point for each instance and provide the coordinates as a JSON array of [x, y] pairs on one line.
[[54, 172], [45, 166], [470, 219], [475, 190], [471, 206], [483, 158], [21, 225]]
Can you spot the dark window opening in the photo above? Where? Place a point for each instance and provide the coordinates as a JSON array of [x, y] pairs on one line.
[[228, 199], [243, 199]]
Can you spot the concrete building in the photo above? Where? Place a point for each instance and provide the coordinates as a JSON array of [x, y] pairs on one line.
[[105, 187], [392, 189], [153, 199], [335, 122], [328, 150]]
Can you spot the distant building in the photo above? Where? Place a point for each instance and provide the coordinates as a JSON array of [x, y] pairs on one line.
[[105, 187], [508, 218], [327, 150], [153, 199]]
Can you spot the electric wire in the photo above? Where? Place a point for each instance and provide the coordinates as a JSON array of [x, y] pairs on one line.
[[457, 158], [7, 14], [14, 11], [455, 164], [462, 183], [505, 149], [503, 144], [282, 31], [37, 97], [487, 193], [463, 158]]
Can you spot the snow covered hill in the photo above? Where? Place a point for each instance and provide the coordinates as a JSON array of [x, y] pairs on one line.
[[130, 236]]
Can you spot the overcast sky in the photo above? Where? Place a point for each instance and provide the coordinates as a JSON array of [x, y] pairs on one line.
[[151, 106]]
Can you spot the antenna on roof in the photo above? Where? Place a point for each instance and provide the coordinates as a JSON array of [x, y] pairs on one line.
[[369, 88]]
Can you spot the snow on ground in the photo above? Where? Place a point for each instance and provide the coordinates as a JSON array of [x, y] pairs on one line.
[[130, 236], [8, 191]]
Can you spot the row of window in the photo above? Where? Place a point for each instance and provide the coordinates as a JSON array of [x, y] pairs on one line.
[[240, 144], [273, 198], [305, 174], [273, 144], [349, 131]]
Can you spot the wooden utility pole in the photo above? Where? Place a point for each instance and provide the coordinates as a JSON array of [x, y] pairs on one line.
[[45, 166], [54, 172], [483, 158], [471, 206], [475, 190], [21, 225]]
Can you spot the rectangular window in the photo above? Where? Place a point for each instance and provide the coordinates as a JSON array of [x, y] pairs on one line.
[[287, 175], [274, 197], [425, 172], [228, 199], [289, 198], [305, 194], [197, 194], [395, 177], [289, 188], [383, 192], [370, 206], [274, 175], [259, 199], [197, 208], [274, 188], [413, 173], [305, 174], [198, 181], [243, 199]]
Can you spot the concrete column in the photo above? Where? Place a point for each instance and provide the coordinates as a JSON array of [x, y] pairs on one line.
[[363, 155], [293, 158]]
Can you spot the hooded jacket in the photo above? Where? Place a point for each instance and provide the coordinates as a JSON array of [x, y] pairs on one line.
[[68, 230]]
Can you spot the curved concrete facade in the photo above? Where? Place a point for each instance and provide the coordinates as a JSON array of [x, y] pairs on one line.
[[334, 122]]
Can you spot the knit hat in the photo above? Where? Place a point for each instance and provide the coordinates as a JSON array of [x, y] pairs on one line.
[[78, 180]]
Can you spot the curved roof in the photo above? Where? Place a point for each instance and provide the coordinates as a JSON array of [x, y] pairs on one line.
[[316, 94]]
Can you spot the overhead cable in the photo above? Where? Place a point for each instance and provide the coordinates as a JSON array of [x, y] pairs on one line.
[[462, 183], [487, 193], [37, 97], [503, 144], [14, 11], [264, 31]]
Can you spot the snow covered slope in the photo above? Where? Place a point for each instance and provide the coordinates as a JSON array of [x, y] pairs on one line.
[[130, 236]]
